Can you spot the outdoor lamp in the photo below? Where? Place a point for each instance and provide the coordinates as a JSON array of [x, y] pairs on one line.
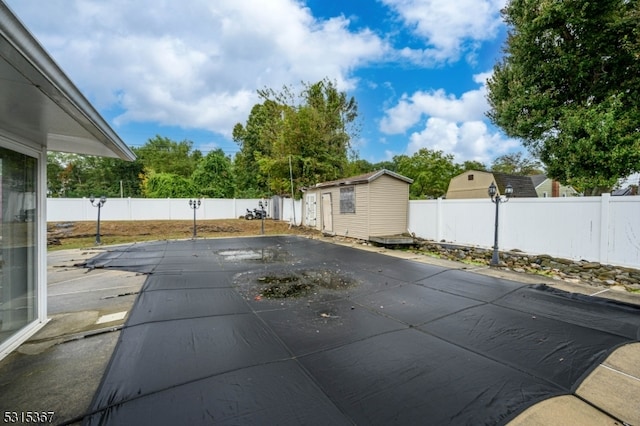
[[99, 205], [194, 204], [492, 190], [497, 199], [263, 213], [508, 190]]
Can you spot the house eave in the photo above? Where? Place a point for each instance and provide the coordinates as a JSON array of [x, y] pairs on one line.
[[41, 103]]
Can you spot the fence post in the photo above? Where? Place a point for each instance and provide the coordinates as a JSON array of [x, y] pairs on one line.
[[604, 228], [438, 219]]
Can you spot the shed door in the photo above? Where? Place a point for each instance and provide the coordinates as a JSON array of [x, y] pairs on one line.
[[327, 213], [311, 215]]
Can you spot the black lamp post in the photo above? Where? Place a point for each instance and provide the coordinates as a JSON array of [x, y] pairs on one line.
[[263, 212], [195, 205], [99, 203], [497, 199]]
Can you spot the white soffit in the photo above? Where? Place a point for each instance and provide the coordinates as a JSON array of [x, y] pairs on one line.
[[40, 103]]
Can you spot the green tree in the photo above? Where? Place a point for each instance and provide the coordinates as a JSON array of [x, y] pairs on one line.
[[389, 165], [473, 165], [569, 87], [55, 169], [516, 164], [431, 172], [73, 175], [213, 176], [168, 185], [308, 135], [124, 176], [163, 155], [254, 141], [358, 166]]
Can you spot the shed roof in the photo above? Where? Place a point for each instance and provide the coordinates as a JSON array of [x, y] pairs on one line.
[[40, 103], [537, 180], [361, 179], [522, 185]]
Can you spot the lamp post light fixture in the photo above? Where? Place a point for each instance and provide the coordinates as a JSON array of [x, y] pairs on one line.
[[497, 199], [195, 205], [263, 213], [98, 203]]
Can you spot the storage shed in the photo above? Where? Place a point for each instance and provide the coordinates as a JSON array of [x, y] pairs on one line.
[[475, 183], [367, 207]]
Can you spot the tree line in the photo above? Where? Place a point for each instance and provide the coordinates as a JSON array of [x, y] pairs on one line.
[[170, 169]]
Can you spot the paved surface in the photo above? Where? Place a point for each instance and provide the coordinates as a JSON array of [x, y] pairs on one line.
[[60, 368]]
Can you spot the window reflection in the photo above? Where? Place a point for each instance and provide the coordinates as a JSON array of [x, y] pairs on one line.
[[18, 302]]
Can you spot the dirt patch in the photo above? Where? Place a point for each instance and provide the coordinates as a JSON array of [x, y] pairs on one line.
[[63, 235]]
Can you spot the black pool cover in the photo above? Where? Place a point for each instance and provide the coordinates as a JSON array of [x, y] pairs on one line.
[[292, 331]]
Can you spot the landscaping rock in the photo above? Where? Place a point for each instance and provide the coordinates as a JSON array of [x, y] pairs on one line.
[[560, 269]]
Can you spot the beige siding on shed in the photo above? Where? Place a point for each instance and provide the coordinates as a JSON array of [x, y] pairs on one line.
[[354, 225], [381, 205], [471, 184], [390, 197]]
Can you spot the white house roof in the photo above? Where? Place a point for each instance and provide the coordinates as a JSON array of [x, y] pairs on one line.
[[40, 103]]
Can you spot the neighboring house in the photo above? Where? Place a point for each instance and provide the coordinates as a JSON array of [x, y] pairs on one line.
[[546, 187], [40, 110], [371, 205], [475, 184]]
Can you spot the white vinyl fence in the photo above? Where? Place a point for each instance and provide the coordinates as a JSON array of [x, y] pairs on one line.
[[80, 209], [601, 229]]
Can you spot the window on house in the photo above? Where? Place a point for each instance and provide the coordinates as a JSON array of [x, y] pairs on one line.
[[18, 241], [470, 177], [347, 200], [544, 194]]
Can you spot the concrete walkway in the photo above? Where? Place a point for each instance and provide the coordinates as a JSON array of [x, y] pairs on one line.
[[60, 368]]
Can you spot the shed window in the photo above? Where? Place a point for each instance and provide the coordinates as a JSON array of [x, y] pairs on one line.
[[347, 200], [470, 177]]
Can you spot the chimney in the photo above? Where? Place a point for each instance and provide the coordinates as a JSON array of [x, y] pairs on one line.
[[555, 188]]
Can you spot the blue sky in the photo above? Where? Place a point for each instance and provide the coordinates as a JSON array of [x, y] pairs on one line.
[[190, 69]]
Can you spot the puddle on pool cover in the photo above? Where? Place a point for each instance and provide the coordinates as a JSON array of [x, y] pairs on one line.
[[268, 254]]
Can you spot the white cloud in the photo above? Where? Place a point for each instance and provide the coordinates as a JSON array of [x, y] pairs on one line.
[[471, 140], [453, 125], [448, 27], [196, 65], [436, 103]]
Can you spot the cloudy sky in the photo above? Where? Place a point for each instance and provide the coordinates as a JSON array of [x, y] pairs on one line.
[[190, 69]]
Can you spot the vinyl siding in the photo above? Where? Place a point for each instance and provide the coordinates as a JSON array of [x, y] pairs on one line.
[[547, 186], [460, 187], [354, 225], [544, 187], [381, 208], [390, 198]]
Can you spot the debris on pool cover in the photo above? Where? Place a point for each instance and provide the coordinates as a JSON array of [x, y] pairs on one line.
[[301, 283]]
